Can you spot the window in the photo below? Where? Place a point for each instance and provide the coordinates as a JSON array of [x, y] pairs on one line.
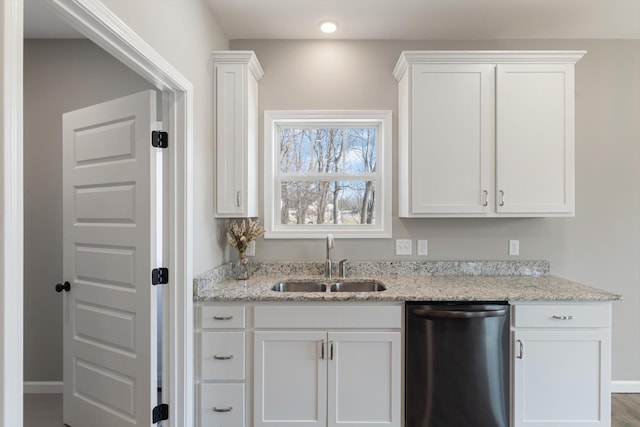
[[327, 172]]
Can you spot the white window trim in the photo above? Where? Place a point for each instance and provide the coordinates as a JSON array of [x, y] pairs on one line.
[[384, 195]]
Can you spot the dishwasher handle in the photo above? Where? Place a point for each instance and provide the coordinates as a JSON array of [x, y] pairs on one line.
[[458, 314]]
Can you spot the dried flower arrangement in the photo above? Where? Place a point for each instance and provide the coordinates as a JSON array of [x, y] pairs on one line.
[[239, 236]]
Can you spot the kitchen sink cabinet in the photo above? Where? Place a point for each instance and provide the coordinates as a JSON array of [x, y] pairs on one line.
[[327, 377], [318, 378], [486, 134], [236, 77], [561, 365]]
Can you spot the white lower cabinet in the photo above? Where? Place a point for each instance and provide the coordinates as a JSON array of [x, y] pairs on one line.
[[317, 378], [561, 365], [221, 365], [327, 377]]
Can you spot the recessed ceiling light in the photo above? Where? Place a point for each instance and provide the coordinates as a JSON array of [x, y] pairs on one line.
[[328, 27]]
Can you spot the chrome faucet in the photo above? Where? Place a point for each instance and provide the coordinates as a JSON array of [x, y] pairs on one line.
[[327, 263], [342, 268]]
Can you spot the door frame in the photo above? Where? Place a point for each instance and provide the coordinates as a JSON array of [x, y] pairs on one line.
[[99, 24]]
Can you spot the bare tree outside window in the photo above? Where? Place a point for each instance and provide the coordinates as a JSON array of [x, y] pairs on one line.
[[324, 175]]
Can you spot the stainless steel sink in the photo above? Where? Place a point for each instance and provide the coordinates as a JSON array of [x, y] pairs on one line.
[[358, 286], [346, 285], [299, 286]]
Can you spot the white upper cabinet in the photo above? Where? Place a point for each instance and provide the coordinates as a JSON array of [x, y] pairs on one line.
[[236, 76], [486, 133]]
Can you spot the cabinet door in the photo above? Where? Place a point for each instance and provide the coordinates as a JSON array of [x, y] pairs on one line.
[[535, 139], [230, 112], [561, 378], [452, 139], [290, 379], [364, 379]]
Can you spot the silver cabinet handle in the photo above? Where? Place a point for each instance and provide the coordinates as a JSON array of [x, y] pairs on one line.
[[501, 198], [222, 317], [227, 409], [229, 357], [521, 353], [331, 351], [485, 197], [322, 350], [569, 317], [238, 194]]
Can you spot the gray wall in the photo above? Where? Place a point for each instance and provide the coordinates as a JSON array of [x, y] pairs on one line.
[[194, 33], [59, 76], [599, 247]]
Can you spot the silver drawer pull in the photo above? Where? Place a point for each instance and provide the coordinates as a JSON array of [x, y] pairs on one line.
[[222, 317], [227, 409], [223, 357], [563, 317]]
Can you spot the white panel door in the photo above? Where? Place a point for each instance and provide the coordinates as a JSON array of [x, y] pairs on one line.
[[561, 378], [535, 138], [290, 379], [364, 379], [452, 139], [110, 375]]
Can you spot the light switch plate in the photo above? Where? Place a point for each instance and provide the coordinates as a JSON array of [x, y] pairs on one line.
[[403, 246], [514, 247], [423, 249]]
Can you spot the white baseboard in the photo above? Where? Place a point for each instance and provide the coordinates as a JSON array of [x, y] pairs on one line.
[[43, 386], [625, 386]]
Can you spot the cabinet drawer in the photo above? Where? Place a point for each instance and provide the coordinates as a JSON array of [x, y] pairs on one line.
[[222, 355], [328, 316], [222, 405], [221, 316], [562, 316]]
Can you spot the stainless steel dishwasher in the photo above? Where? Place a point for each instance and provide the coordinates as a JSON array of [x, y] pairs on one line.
[[457, 365]]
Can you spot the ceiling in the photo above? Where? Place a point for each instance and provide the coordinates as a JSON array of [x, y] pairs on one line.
[[430, 19], [400, 19]]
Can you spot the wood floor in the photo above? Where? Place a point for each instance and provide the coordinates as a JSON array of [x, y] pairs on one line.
[[625, 410], [45, 410]]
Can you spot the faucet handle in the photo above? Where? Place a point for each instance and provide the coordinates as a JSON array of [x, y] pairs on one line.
[[342, 266]]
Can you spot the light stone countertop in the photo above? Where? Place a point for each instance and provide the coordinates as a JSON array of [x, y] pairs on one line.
[[408, 282]]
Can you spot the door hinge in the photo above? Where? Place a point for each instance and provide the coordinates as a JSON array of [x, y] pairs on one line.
[[159, 139], [160, 413], [160, 276]]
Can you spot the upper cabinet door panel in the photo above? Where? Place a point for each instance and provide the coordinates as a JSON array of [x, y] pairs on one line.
[[451, 138], [230, 132], [535, 138]]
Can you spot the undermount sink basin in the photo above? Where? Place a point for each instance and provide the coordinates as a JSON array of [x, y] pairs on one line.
[[358, 286], [345, 285], [299, 286]]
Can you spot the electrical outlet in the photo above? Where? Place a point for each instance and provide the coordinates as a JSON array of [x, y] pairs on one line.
[[251, 248], [514, 247], [423, 249], [403, 246]]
